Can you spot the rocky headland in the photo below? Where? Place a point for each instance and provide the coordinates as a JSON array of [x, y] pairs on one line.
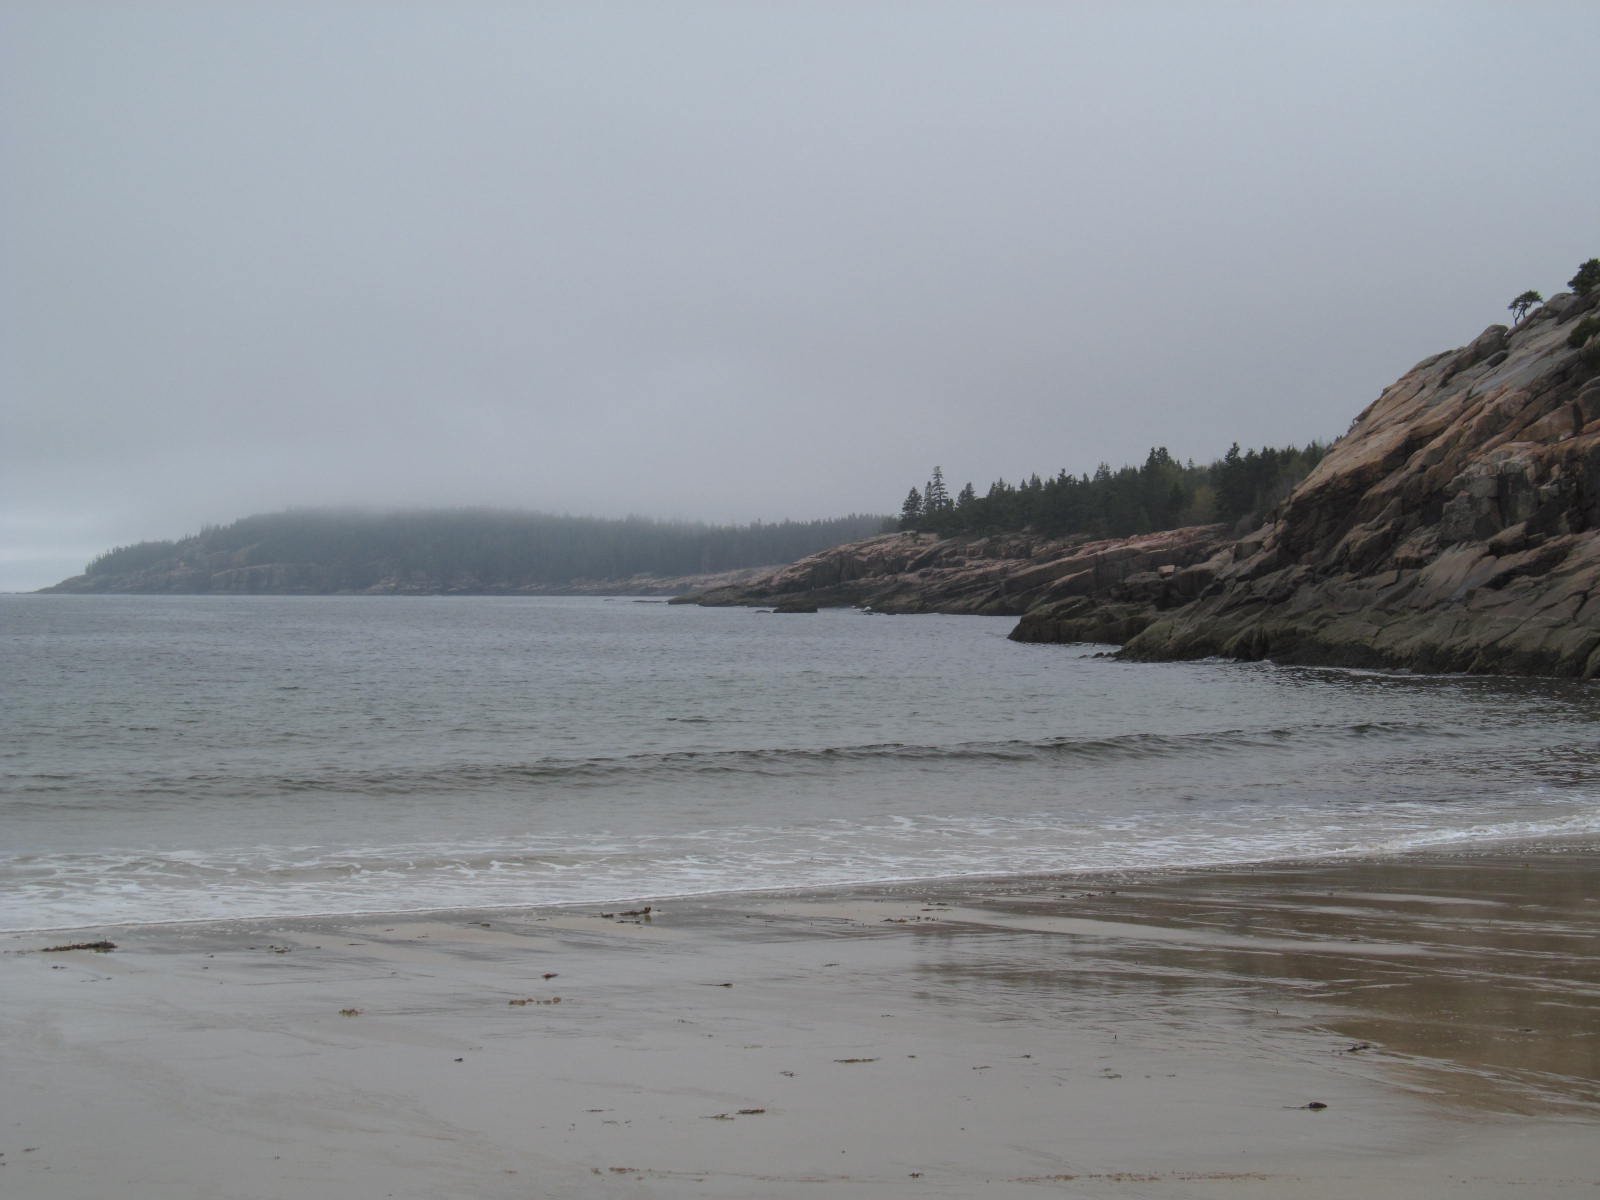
[[1455, 527], [1115, 582]]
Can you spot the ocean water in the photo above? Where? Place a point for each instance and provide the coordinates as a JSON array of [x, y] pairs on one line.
[[182, 758]]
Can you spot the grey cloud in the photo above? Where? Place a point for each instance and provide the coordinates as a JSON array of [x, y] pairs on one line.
[[737, 261]]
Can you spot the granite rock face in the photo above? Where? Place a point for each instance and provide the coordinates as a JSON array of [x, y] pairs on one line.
[[1006, 574], [1456, 527]]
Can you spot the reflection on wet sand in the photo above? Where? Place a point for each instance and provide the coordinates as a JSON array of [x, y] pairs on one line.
[[1476, 978]]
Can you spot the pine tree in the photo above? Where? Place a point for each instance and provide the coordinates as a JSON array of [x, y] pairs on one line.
[[1231, 478], [1520, 306], [935, 499], [1587, 278], [911, 510]]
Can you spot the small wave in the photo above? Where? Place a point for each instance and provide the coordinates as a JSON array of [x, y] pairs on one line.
[[778, 762], [79, 890]]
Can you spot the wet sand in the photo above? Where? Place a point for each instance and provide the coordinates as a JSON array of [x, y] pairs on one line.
[[1143, 1036]]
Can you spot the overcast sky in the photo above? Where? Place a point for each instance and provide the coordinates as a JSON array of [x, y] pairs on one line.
[[738, 261]]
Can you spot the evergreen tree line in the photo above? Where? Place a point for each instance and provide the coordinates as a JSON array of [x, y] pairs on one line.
[[484, 547], [1161, 494]]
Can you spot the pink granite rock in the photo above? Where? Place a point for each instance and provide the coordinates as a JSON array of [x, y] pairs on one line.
[[1455, 527]]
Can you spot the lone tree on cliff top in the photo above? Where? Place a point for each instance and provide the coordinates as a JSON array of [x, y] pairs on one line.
[[1520, 306]]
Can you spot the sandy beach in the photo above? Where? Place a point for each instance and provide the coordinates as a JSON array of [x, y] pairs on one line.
[[1411, 1027]]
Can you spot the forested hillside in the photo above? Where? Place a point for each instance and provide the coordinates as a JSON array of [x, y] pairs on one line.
[[321, 550]]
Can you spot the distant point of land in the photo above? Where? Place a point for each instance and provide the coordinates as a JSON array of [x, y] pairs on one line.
[[467, 551]]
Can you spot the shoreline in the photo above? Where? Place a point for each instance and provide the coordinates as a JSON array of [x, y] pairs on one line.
[[1534, 844], [1153, 1034]]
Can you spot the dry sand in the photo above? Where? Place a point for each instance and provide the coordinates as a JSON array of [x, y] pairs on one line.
[[1142, 1036]]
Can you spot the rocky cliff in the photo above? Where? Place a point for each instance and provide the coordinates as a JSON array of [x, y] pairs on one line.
[[1455, 527]]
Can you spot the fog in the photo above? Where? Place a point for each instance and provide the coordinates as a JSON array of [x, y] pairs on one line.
[[738, 261]]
